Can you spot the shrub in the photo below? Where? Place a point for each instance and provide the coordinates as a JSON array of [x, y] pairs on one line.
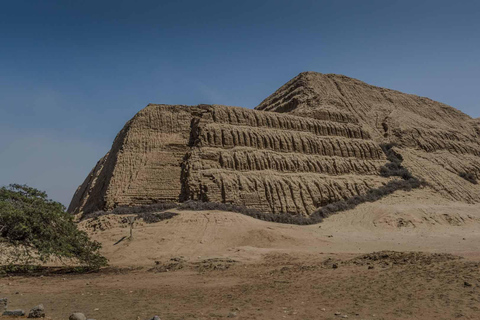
[[36, 228], [149, 217]]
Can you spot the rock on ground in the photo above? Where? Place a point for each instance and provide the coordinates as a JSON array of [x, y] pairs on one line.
[[77, 316], [14, 313], [37, 312]]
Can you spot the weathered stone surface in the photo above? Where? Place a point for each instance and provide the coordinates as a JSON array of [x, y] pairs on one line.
[[14, 313], [3, 304], [276, 192], [77, 316], [268, 161], [438, 141], [37, 312]]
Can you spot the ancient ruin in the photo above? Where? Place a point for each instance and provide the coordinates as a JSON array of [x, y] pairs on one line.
[[313, 142]]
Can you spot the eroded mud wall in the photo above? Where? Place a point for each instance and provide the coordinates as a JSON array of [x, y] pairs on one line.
[[437, 141], [272, 162]]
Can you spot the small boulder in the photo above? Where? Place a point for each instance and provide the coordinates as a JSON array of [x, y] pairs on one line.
[[14, 313], [155, 318], [3, 304], [77, 316], [37, 312]]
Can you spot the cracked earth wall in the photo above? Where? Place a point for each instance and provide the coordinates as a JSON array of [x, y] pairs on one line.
[[437, 141], [313, 142], [272, 162]]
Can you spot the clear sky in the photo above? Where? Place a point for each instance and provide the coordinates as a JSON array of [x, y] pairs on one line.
[[73, 72]]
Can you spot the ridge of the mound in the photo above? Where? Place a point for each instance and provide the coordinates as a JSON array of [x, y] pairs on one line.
[[311, 92]]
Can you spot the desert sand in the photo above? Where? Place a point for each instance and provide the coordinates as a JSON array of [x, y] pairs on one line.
[[214, 265]]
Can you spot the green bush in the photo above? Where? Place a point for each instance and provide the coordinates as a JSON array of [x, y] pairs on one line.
[[37, 229]]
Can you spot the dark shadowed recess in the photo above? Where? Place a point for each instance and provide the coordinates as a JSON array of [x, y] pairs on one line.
[[470, 177]]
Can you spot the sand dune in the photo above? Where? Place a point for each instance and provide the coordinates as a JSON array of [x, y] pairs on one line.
[[418, 221]]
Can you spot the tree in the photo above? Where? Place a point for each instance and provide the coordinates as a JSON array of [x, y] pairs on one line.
[[37, 228]]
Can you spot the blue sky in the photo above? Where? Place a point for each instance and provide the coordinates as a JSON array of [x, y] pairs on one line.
[[73, 72]]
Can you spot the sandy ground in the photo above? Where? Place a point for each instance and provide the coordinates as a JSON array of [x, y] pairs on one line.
[[209, 265]]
